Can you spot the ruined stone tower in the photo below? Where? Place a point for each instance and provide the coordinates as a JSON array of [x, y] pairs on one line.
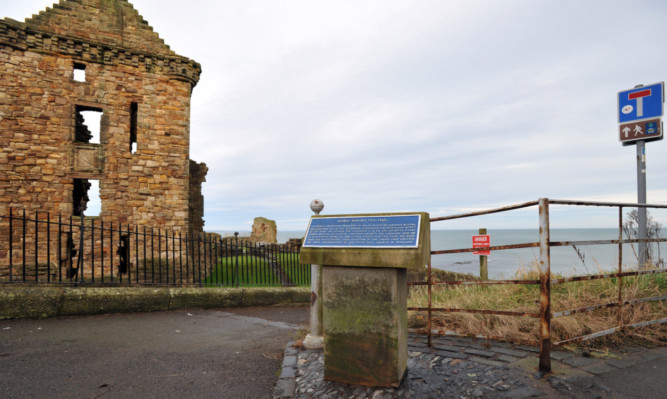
[[87, 59]]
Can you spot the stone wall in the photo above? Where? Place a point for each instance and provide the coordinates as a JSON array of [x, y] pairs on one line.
[[197, 177], [139, 85]]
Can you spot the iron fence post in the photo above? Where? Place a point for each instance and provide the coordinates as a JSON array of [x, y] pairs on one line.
[[144, 242], [159, 254], [198, 252], [70, 256], [166, 255], [152, 257], [180, 256], [48, 247], [111, 251], [236, 259], [102, 251], [545, 288], [120, 262], [128, 256], [173, 258], [23, 245], [187, 259], [79, 262], [36, 247], [11, 245], [136, 253], [92, 250], [60, 251]]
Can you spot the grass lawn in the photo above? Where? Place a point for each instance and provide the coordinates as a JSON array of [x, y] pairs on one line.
[[251, 270]]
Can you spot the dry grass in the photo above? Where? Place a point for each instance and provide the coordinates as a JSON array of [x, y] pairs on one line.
[[566, 296]]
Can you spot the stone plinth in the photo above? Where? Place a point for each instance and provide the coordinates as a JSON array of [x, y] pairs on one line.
[[365, 322], [366, 260]]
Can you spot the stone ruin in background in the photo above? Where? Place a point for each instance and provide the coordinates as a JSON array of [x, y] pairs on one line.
[[265, 231]]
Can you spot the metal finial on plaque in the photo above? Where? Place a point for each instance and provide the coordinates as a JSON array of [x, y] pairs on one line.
[[316, 206]]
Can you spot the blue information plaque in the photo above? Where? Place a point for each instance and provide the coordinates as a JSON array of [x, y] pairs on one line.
[[377, 231]]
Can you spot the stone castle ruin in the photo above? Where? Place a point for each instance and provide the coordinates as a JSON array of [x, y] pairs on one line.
[[90, 95], [86, 65]]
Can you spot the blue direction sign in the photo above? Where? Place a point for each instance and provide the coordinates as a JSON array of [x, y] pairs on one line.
[[641, 103]]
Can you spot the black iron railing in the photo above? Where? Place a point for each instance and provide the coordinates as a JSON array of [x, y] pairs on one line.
[[43, 249]]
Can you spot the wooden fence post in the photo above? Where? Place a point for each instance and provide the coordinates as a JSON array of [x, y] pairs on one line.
[[545, 288], [483, 262]]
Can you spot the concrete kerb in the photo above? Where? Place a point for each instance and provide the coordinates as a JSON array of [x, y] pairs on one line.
[[30, 302], [94, 300], [42, 302]]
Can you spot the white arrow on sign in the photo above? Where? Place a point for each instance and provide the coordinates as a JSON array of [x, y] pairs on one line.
[[626, 130]]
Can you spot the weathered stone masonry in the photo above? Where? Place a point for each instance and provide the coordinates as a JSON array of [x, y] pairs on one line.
[[140, 86], [197, 177]]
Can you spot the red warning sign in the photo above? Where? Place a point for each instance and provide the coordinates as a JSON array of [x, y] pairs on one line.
[[482, 241]]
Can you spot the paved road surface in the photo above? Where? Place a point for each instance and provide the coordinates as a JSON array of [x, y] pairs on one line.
[[227, 353], [238, 353]]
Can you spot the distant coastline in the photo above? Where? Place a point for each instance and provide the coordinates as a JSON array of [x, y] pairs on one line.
[[564, 260]]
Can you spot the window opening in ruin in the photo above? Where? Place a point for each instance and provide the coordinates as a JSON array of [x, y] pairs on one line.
[[88, 125], [86, 198], [79, 72], [134, 108], [67, 262], [123, 252], [94, 202]]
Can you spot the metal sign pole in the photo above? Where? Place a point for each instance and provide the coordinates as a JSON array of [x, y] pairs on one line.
[[641, 199]]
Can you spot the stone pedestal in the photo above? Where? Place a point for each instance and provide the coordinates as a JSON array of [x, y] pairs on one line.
[[366, 260], [315, 339], [365, 313]]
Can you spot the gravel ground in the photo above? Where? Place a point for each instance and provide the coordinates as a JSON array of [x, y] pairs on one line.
[[465, 368]]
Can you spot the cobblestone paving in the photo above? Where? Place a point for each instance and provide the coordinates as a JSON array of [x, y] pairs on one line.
[[458, 368]]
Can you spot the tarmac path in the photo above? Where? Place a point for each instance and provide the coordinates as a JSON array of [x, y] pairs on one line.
[[239, 353], [225, 353]]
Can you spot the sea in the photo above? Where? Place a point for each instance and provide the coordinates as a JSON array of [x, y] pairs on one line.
[[504, 264]]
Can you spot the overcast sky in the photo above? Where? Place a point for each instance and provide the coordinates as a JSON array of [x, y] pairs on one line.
[[391, 105]]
